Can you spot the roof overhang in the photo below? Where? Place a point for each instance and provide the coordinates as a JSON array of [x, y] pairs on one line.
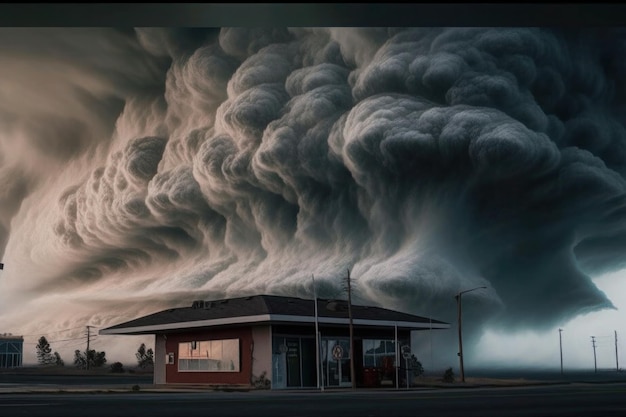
[[270, 318]]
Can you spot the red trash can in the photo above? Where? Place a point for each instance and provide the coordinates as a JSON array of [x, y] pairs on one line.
[[370, 377]]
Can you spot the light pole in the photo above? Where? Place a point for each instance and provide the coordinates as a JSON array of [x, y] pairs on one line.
[[458, 304], [561, 349]]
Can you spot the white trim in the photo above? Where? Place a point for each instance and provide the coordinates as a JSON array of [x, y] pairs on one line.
[[270, 318]]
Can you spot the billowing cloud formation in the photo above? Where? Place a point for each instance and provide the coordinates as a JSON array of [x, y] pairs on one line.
[[170, 165]]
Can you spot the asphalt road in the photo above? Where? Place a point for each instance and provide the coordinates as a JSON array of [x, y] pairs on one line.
[[607, 400]]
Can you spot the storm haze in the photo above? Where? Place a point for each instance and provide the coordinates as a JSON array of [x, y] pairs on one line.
[[143, 169]]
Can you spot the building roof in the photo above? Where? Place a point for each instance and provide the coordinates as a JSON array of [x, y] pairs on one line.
[[269, 309], [11, 337]]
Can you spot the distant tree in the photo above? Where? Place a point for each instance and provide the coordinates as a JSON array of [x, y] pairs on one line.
[[57, 359], [44, 355], [416, 366], [89, 359], [448, 376], [145, 358], [117, 367], [80, 360]]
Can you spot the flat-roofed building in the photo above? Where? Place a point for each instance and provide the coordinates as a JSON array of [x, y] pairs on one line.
[[11, 348]]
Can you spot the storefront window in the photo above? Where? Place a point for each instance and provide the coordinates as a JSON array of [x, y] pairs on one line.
[[374, 350], [209, 356]]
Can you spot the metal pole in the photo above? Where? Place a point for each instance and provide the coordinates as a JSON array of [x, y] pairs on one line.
[[459, 318], [352, 377], [406, 364], [430, 332], [616, 359], [561, 349], [458, 305], [397, 356], [317, 338], [321, 364]]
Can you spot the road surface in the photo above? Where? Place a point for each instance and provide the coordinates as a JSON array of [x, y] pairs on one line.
[[607, 400]]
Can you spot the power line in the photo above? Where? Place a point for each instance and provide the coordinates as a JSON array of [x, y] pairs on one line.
[[58, 331], [55, 341]]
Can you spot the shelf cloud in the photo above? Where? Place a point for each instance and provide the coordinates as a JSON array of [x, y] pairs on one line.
[[146, 168]]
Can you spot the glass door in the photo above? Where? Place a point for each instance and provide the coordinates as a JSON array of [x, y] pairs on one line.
[[336, 362]]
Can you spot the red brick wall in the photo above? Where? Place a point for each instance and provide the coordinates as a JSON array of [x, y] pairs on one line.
[[244, 334]]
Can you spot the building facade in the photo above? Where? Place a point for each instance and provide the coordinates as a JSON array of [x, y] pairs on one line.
[[11, 348], [272, 341]]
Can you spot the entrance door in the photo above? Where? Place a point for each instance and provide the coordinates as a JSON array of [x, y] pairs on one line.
[[336, 362], [279, 371]]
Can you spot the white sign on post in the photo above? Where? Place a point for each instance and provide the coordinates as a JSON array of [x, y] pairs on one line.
[[337, 352], [406, 354], [406, 351]]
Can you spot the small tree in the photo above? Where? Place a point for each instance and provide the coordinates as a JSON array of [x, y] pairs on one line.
[[145, 358], [448, 376], [44, 355], [80, 360], [117, 367], [89, 359], [416, 366], [57, 359]]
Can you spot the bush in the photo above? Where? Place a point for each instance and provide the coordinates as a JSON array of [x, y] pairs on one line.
[[415, 366], [261, 382], [117, 368], [145, 358], [89, 359], [448, 376]]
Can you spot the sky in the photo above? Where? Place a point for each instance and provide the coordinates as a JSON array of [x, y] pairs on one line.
[[144, 168]]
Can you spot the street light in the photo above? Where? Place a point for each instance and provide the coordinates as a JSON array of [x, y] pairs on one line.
[[458, 304]]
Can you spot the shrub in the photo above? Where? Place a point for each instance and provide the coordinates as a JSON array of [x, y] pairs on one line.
[[261, 382], [448, 376], [117, 368], [416, 366]]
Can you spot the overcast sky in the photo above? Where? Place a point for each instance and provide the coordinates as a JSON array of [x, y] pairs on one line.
[[142, 169]]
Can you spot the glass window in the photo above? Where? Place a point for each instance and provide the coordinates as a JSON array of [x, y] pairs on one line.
[[374, 350], [209, 356]]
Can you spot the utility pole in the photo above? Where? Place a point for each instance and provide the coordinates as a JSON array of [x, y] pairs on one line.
[[616, 359], [87, 352], [593, 343], [352, 376], [317, 337], [459, 316], [561, 349]]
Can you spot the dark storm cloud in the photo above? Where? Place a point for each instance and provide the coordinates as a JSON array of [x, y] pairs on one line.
[[427, 161]]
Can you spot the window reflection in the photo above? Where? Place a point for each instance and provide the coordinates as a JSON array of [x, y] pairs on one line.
[[209, 356], [375, 350]]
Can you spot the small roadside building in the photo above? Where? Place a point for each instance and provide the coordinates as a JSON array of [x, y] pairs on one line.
[[272, 339], [11, 348]]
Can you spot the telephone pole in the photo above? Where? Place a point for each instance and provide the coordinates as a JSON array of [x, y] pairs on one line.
[[561, 349], [352, 376], [593, 343], [616, 359], [87, 352]]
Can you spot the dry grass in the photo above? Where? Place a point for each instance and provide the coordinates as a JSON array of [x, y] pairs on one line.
[[471, 381]]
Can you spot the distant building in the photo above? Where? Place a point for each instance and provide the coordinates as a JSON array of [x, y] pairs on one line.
[[11, 348], [244, 341]]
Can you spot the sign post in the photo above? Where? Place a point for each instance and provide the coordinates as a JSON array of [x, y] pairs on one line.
[[406, 354]]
